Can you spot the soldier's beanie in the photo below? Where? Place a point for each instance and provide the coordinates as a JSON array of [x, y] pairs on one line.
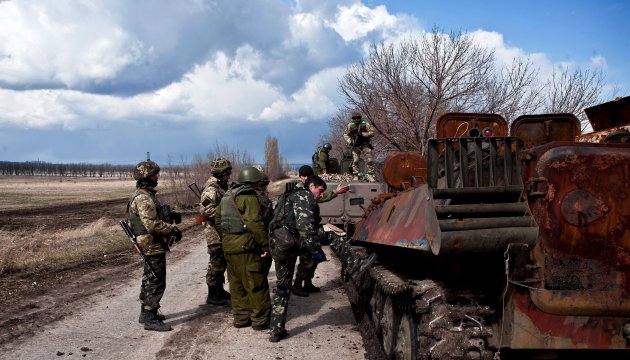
[[306, 171]]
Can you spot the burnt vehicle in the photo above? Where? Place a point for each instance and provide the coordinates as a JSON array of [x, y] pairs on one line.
[[503, 240]]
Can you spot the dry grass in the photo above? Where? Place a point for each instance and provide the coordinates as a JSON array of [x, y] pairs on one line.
[[21, 192], [40, 250]]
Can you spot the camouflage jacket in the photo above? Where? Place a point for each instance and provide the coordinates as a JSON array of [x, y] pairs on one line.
[[145, 217], [299, 213], [327, 196], [320, 159], [245, 239], [210, 199], [358, 134]]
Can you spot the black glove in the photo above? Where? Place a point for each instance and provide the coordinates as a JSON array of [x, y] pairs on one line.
[[176, 233]]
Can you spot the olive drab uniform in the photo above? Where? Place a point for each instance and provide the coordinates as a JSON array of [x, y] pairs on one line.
[[298, 212], [244, 241], [208, 203], [321, 161], [146, 220], [358, 135]]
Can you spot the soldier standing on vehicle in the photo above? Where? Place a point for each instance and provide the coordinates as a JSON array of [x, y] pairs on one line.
[[321, 160], [213, 191], [246, 250], [146, 218], [305, 272], [298, 212], [357, 135]]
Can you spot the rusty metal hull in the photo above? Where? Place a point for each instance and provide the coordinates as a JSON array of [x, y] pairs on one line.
[[406, 220], [531, 328], [579, 195]]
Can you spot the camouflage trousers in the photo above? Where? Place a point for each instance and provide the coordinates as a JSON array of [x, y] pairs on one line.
[[306, 268], [280, 301], [152, 287], [216, 261], [349, 259], [249, 288], [364, 151]]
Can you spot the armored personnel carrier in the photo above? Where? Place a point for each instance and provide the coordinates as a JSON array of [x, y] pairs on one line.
[[501, 241]]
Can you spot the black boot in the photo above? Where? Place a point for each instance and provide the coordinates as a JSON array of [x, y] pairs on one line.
[[223, 294], [214, 296], [144, 312], [308, 286], [298, 290], [152, 322]]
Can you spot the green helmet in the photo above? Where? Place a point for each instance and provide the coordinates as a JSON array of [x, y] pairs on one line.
[[220, 165], [250, 175], [145, 169]]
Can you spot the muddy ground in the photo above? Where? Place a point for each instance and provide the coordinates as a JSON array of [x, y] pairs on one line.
[[36, 320]]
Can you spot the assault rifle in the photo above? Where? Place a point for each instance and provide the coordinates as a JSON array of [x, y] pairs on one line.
[[195, 189], [132, 238], [170, 217]]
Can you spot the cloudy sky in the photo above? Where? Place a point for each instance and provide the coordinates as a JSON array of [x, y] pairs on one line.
[[108, 80]]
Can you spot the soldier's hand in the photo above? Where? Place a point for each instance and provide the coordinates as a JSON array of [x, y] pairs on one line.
[[176, 233], [341, 188], [324, 171]]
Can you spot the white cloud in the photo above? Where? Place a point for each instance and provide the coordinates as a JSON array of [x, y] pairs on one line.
[[316, 100], [599, 61], [62, 44], [358, 20]]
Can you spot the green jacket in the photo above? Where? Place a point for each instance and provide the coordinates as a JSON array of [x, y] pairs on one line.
[[320, 161], [236, 238]]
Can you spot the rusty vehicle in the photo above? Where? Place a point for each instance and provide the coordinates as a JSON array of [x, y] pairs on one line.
[[502, 240]]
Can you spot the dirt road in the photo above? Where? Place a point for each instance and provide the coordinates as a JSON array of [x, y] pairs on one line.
[[103, 325]]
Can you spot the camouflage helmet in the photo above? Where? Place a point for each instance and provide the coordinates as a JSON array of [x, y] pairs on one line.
[[327, 147], [145, 169], [220, 165], [249, 174], [356, 113]]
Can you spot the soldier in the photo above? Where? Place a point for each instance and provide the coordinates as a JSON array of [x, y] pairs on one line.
[[246, 250], [358, 134], [213, 191], [146, 218], [305, 273], [321, 160], [298, 212], [266, 206]]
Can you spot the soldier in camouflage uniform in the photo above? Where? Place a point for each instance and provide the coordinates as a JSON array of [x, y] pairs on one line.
[[266, 206], [358, 134], [146, 219], [246, 250], [213, 191], [321, 159], [299, 213], [305, 272]]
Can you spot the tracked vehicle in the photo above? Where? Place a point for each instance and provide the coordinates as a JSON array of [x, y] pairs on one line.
[[503, 241]]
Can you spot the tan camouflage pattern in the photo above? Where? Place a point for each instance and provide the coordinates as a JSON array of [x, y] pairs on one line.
[[145, 169], [365, 152], [159, 231], [365, 129], [361, 145], [208, 203]]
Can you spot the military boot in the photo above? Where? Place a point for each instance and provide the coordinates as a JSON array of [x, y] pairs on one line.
[[152, 322], [214, 296], [298, 290], [224, 294], [144, 313], [308, 286]]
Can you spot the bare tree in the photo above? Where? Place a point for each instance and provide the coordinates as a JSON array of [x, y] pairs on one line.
[[572, 92], [404, 88]]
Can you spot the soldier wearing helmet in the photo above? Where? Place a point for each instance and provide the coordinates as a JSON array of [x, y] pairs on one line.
[[321, 160], [213, 191], [145, 216], [246, 250], [358, 134]]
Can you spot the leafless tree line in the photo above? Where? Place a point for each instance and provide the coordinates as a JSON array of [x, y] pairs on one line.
[[404, 88], [41, 168]]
